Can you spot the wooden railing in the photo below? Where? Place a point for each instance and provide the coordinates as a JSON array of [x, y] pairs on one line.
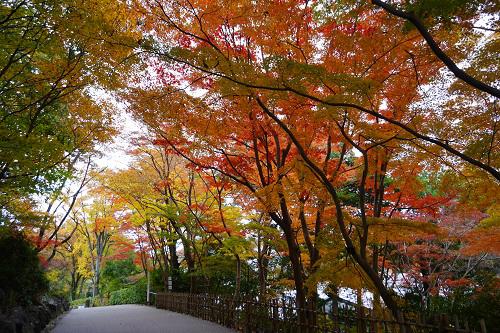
[[282, 316]]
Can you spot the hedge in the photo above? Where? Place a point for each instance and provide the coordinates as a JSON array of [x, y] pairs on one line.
[[135, 294]]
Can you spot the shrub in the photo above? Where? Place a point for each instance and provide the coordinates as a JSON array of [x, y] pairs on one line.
[[115, 275], [21, 276], [80, 301], [135, 294]]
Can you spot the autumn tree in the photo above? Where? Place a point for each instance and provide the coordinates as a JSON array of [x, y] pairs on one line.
[[172, 202], [259, 159], [98, 224], [152, 189], [210, 50], [50, 67], [356, 141], [325, 66]]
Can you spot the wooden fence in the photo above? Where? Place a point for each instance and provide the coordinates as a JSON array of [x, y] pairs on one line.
[[282, 316]]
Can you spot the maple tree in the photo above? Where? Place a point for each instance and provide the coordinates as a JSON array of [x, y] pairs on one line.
[[98, 224], [315, 80], [154, 210], [213, 48], [462, 12], [178, 204], [77, 277], [347, 144]]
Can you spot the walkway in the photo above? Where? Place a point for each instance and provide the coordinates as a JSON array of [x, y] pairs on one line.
[[132, 319]]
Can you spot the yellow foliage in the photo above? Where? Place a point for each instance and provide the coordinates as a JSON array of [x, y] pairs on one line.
[[287, 283], [269, 197], [340, 273], [398, 230], [493, 220]]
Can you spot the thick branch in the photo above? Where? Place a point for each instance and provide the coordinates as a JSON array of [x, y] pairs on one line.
[[450, 64]]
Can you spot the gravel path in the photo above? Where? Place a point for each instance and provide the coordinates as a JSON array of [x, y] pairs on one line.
[[133, 319]]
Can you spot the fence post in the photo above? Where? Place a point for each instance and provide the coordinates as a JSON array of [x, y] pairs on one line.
[[467, 329], [443, 323], [361, 327], [275, 315], [247, 316], [402, 326], [482, 323], [457, 323], [335, 315], [373, 322]]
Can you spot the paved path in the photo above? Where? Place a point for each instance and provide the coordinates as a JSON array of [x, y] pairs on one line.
[[132, 319]]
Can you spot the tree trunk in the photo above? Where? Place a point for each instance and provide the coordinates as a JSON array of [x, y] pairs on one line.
[[237, 286], [263, 263], [294, 255], [190, 262], [174, 265]]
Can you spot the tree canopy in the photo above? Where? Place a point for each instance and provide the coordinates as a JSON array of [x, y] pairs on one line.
[[304, 147]]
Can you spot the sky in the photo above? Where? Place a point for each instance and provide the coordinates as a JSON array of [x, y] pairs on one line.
[[114, 154]]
